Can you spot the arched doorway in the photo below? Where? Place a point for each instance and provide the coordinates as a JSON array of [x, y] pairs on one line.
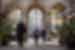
[[35, 20]]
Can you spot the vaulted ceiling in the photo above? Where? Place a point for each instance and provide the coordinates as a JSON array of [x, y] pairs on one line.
[[6, 4], [47, 3]]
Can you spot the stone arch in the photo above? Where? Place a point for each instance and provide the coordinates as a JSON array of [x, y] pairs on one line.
[[36, 6]]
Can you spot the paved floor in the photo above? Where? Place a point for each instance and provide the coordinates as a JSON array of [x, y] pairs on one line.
[[30, 42], [46, 47], [36, 48]]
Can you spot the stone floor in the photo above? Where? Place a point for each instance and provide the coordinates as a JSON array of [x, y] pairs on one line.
[[31, 43], [36, 48]]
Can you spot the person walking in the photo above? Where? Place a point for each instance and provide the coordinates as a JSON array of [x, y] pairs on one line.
[[36, 36], [20, 32], [44, 35]]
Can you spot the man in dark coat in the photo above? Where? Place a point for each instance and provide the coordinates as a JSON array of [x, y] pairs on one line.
[[20, 32]]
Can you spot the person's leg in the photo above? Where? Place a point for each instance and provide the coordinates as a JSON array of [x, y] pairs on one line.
[[36, 37], [19, 39], [44, 36]]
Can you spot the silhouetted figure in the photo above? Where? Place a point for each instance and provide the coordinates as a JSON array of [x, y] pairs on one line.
[[43, 34], [20, 32], [36, 36]]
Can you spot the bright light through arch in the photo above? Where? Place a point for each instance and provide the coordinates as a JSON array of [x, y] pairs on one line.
[[35, 19]]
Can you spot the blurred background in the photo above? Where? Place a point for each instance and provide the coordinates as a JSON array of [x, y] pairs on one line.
[[37, 23]]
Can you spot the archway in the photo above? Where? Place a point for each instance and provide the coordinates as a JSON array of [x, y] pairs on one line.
[[35, 20]]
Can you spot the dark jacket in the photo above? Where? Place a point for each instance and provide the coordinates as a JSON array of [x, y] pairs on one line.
[[21, 27], [36, 33], [20, 31]]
